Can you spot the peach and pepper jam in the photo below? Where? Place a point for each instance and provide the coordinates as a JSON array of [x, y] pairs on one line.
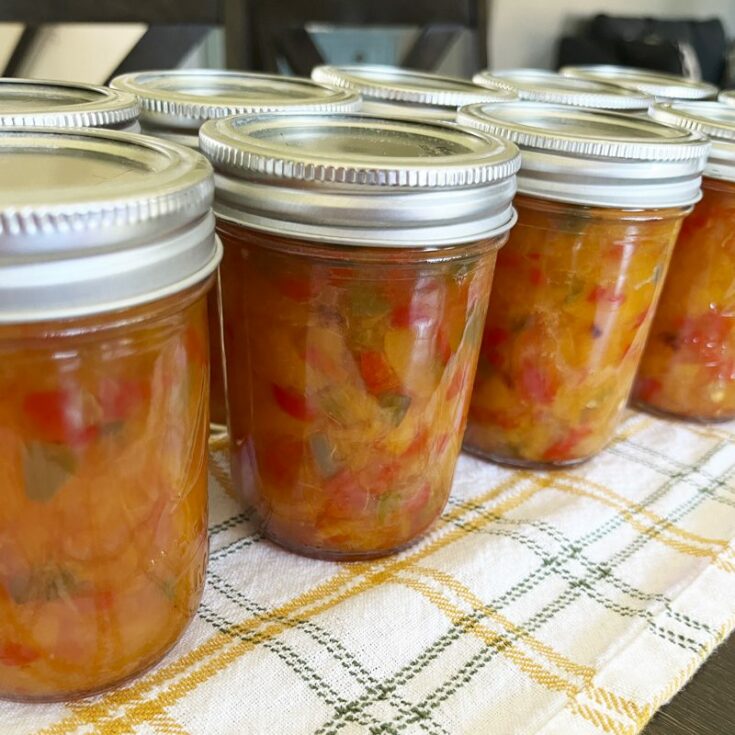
[[573, 297], [103, 534], [688, 366], [349, 374]]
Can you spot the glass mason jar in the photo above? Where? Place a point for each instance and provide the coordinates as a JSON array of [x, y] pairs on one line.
[[359, 255], [540, 85], [396, 92], [175, 104], [688, 366], [663, 87], [49, 104], [603, 197], [104, 410]]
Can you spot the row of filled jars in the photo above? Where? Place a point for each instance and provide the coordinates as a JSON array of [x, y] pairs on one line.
[[374, 269]]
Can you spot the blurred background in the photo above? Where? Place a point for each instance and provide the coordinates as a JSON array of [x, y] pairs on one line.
[[87, 40]]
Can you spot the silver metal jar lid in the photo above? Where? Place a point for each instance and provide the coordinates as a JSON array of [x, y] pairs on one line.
[[393, 84], [40, 103], [727, 97], [175, 104], [362, 179], [597, 158], [94, 221], [657, 84], [713, 119], [539, 85]]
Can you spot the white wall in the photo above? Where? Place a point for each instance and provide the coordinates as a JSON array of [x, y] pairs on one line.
[[9, 35], [79, 52], [525, 32]]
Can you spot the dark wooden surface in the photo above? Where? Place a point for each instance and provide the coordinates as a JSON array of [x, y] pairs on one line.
[[37, 12], [706, 706]]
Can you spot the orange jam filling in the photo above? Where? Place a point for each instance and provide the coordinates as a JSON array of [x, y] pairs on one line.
[[688, 366], [103, 520], [571, 305], [349, 372]]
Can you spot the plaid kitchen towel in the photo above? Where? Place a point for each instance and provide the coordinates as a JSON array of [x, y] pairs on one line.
[[565, 603]]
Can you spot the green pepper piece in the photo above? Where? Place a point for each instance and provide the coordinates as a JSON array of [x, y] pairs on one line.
[[367, 302], [576, 286], [46, 583], [366, 310], [113, 428], [389, 504], [47, 467], [168, 587], [396, 404], [324, 455]]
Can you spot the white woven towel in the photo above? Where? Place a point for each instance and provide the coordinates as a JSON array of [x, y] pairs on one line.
[[568, 603]]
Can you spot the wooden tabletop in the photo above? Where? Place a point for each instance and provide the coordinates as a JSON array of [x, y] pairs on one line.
[[707, 705]]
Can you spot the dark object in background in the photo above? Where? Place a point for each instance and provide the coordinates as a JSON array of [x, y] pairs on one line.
[[674, 46], [275, 34]]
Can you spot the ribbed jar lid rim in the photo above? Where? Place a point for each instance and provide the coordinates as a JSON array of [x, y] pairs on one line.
[[597, 158], [307, 148], [48, 103], [540, 85], [710, 118], [657, 84], [97, 220], [582, 132], [189, 97], [395, 84], [713, 119], [361, 179]]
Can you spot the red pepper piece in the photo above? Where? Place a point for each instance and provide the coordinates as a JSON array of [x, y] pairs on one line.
[[346, 498], [563, 449], [705, 334], [602, 294], [294, 404], [47, 411], [492, 339], [57, 417], [537, 277], [418, 445], [537, 384], [17, 654], [297, 289], [377, 373], [647, 388], [413, 315], [423, 308]]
